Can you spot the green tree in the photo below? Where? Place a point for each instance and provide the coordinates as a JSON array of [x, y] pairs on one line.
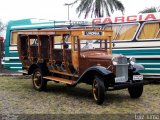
[[98, 8], [149, 10]]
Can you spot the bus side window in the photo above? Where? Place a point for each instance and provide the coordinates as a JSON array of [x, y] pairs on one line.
[[13, 40], [124, 31], [150, 31]]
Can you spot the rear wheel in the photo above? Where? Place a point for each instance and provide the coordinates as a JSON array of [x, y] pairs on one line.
[[135, 92], [98, 90], [39, 82]]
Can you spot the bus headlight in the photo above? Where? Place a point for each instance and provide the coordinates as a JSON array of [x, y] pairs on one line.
[[132, 60], [114, 60]]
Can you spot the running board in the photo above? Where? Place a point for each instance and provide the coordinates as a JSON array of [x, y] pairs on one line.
[[64, 73], [62, 80]]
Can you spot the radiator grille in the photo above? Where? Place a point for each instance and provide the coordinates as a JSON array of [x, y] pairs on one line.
[[122, 68]]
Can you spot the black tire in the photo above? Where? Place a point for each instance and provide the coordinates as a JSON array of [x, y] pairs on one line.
[[37, 79], [98, 90], [135, 92]]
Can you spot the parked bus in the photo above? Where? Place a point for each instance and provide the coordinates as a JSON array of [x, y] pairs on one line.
[[137, 36], [11, 60]]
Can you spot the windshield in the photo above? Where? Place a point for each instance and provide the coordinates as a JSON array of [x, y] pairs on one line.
[[92, 44]]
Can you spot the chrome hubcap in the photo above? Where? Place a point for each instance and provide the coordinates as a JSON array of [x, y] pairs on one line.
[[37, 79]]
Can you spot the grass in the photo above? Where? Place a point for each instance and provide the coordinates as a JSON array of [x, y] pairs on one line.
[[17, 96]]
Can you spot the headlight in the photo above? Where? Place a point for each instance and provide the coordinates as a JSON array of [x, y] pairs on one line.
[[114, 60], [132, 60]]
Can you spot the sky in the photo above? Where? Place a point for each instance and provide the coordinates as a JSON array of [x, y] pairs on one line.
[[55, 9]]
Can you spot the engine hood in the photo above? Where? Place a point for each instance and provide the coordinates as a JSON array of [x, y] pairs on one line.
[[98, 55]]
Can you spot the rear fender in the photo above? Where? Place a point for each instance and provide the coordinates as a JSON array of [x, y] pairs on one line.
[[32, 68], [41, 66]]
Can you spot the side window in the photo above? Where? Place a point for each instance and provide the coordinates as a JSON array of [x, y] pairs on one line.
[[150, 31], [123, 31], [13, 40], [57, 42]]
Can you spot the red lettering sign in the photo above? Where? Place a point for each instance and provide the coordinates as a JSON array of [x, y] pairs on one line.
[[131, 18], [150, 17], [119, 19], [107, 20], [96, 21], [140, 18]]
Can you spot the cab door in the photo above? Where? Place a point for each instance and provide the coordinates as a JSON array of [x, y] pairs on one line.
[[75, 53]]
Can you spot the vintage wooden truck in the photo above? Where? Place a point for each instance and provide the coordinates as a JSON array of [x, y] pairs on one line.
[[74, 56]]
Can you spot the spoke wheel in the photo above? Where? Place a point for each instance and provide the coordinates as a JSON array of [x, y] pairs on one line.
[[38, 82], [98, 91]]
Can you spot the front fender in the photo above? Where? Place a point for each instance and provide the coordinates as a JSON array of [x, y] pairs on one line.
[[138, 67], [98, 69], [91, 72]]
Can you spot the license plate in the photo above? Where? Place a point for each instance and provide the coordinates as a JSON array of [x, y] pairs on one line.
[[120, 79], [137, 77]]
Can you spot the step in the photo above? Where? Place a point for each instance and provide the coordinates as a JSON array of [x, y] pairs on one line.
[[64, 73], [58, 79]]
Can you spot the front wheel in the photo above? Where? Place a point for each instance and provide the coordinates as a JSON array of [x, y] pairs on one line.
[[39, 82], [98, 90], [135, 92]]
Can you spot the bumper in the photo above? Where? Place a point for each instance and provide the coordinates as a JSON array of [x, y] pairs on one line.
[[128, 84]]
